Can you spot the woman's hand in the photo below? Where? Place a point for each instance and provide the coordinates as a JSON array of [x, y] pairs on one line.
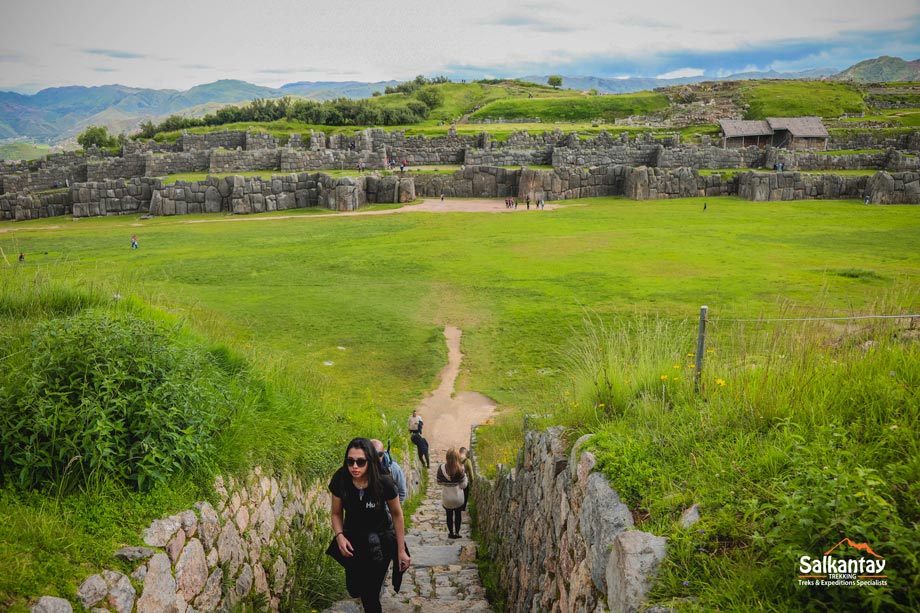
[[404, 561], [345, 546]]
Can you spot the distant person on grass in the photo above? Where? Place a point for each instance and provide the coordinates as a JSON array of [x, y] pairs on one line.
[[134, 242]]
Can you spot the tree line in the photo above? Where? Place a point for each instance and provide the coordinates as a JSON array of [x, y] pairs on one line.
[[338, 112]]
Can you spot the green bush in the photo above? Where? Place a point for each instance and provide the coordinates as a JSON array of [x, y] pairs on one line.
[[106, 397]]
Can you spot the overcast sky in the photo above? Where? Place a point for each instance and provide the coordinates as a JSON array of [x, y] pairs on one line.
[[171, 44]]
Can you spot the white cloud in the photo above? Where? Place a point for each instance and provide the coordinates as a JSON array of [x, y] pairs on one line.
[[373, 41], [681, 73]]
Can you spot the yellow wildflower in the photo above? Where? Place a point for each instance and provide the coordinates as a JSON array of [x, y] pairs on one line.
[[720, 382], [664, 377]]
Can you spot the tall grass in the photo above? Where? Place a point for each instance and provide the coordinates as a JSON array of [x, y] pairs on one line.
[[803, 433]]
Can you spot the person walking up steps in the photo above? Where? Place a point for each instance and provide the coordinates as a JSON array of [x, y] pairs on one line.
[[468, 469], [367, 538], [415, 423], [422, 444], [452, 480]]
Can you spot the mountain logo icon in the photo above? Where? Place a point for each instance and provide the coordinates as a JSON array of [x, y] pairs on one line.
[[858, 546]]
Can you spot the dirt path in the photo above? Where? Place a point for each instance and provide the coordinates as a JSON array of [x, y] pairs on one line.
[[443, 577], [448, 416]]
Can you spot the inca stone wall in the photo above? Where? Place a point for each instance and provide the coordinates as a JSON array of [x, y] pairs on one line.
[[162, 164], [214, 558], [559, 535], [891, 160], [470, 182], [766, 186], [875, 140], [21, 207], [125, 167], [225, 139], [294, 160], [245, 161], [115, 197]]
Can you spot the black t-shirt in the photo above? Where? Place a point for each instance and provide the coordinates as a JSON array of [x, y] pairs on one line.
[[363, 514]]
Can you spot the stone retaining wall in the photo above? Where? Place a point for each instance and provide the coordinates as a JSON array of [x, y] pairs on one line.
[[115, 197], [296, 160], [875, 140], [21, 207], [559, 535], [891, 160], [213, 558], [470, 182], [126, 167], [245, 161]]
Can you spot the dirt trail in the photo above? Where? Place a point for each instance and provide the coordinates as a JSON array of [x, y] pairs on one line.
[[448, 416]]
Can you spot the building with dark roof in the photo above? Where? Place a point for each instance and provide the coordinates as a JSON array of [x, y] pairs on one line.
[[793, 133]]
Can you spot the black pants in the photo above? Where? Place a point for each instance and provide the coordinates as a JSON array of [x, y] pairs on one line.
[[453, 520], [364, 581], [423, 457]]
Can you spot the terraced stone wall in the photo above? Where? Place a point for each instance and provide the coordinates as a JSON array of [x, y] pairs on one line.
[[559, 535]]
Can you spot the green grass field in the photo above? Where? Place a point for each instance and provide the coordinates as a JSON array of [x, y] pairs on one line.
[[575, 108], [349, 311], [795, 98]]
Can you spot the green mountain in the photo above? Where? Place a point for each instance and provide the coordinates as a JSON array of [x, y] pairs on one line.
[[881, 70]]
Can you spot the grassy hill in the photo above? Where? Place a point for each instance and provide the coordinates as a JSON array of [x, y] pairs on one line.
[[796, 98], [880, 70], [579, 108]]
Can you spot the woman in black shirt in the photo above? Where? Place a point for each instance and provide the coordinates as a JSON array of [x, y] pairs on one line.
[[368, 537]]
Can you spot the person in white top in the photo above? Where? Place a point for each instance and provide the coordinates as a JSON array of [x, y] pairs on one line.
[[415, 423]]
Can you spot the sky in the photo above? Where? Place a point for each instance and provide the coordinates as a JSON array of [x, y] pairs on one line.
[[170, 44]]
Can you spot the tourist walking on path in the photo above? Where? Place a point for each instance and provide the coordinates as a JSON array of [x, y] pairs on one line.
[[415, 423], [452, 480], [388, 466], [366, 538], [422, 443], [468, 469]]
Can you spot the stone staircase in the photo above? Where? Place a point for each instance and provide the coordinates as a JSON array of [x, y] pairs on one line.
[[443, 577]]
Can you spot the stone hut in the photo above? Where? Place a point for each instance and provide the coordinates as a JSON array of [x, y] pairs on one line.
[[792, 133]]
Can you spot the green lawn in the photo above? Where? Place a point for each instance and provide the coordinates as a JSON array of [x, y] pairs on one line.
[[576, 108], [795, 98]]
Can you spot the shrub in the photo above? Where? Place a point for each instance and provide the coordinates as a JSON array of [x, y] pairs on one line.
[[96, 136], [106, 397]]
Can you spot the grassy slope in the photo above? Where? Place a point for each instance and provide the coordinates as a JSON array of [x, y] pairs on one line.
[[796, 98], [576, 108]]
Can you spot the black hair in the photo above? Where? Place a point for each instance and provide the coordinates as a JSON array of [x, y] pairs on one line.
[[373, 466]]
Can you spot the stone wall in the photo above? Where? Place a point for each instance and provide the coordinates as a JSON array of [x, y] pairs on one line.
[[875, 140], [160, 165], [212, 558], [225, 139], [115, 197], [245, 161], [296, 160], [766, 186], [470, 182], [559, 535], [125, 167], [148, 146], [244, 195], [894, 188], [891, 160], [21, 207]]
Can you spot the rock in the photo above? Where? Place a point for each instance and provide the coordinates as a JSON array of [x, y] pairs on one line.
[[690, 516], [133, 554], [139, 573], [209, 597], [191, 570], [279, 574], [209, 524], [121, 593], [244, 582], [161, 531], [51, 604], [230, 548], [633, 563], [175, 545], [92, 591], [603, 517], [159, 593]]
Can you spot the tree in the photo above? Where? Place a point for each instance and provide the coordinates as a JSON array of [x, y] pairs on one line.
[[96, 136], [554, 81], [431, 96]]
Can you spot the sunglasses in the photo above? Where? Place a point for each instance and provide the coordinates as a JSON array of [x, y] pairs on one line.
[[360, 462]]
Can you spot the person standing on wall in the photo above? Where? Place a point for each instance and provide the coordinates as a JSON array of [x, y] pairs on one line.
[[366, 537], [452, 480]]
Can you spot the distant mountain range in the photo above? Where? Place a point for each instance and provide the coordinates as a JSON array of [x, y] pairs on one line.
[[58, 114]]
